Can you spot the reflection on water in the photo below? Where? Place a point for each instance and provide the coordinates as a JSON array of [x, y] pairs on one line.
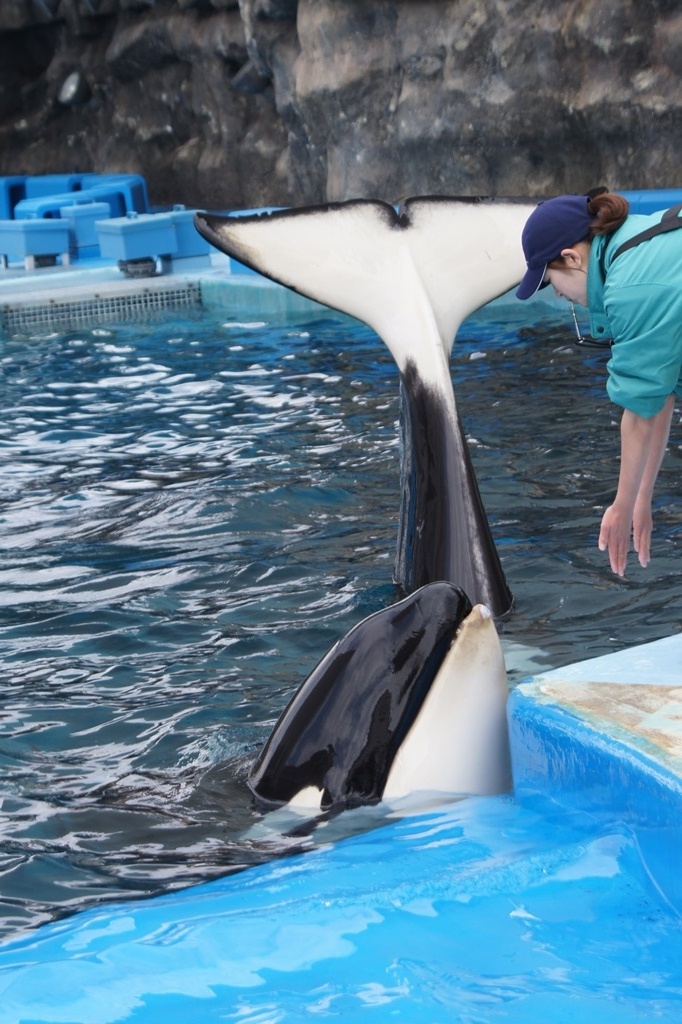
[[192, 513]]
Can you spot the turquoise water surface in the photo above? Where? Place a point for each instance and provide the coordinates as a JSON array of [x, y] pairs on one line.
[[192, 512]]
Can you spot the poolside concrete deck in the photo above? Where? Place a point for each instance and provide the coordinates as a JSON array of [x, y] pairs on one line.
[[604, 735], [95, 291]]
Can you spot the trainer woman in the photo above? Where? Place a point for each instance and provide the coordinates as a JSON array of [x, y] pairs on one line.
[[627, 269]]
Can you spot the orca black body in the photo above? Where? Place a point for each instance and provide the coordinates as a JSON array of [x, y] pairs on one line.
[[442, 528], [413, 275]]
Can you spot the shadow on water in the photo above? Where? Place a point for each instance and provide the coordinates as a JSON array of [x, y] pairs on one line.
[[192, 513]]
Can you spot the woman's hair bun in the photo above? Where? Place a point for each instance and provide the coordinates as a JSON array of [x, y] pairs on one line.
[[608, 209]]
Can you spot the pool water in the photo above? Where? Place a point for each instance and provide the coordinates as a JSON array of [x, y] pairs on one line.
[[192, 512]]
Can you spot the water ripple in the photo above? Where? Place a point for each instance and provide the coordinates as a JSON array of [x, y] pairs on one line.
[[191, 514]]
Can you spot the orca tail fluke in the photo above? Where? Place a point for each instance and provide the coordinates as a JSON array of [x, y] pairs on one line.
[[412, 274]]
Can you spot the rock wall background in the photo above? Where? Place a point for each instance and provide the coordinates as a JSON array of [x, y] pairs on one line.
[[225, 104]]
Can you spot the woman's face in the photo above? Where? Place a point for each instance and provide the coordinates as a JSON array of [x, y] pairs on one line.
[[569, 280], [569, 284]]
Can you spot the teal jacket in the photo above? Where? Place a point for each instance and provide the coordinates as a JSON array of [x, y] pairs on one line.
[[638, 303]]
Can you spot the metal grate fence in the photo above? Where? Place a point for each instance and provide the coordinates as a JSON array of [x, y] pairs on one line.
[[86, 312]]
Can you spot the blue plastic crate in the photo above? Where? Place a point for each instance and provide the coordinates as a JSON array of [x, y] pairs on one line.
[[49, 184], [26, 239], [137, 236], [49, 206], [132, 186], [190, 243], [81, 219]]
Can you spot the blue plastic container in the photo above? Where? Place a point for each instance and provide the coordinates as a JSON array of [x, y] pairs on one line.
[[48, 184], [132, 186], [189, 242], [49, 206], [81, 219], [137, 236], [124, 193], [22, 238]]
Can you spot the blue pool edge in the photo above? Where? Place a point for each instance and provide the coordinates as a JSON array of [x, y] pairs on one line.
[[604, 736]]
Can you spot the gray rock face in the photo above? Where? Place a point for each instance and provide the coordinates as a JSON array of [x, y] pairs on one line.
[[224, 104]]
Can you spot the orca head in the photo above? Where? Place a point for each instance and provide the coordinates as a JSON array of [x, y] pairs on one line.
[[459, 741], [411, 699]]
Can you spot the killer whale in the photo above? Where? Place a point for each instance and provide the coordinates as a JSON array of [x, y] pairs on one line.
[[412, 274], [412, 699]]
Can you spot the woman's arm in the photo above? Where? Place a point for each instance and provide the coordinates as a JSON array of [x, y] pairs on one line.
[[642, 447]]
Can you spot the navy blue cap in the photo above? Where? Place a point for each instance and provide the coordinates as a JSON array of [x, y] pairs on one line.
[[555, 225]]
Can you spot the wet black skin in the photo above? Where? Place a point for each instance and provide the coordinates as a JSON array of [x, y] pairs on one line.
[[444, 531], [343, 727]]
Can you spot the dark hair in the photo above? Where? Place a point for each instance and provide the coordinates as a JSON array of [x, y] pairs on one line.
[[609, 211]]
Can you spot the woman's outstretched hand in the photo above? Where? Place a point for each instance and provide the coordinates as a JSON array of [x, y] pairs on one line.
[[618, 525], [614, 537], [643, 443]]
